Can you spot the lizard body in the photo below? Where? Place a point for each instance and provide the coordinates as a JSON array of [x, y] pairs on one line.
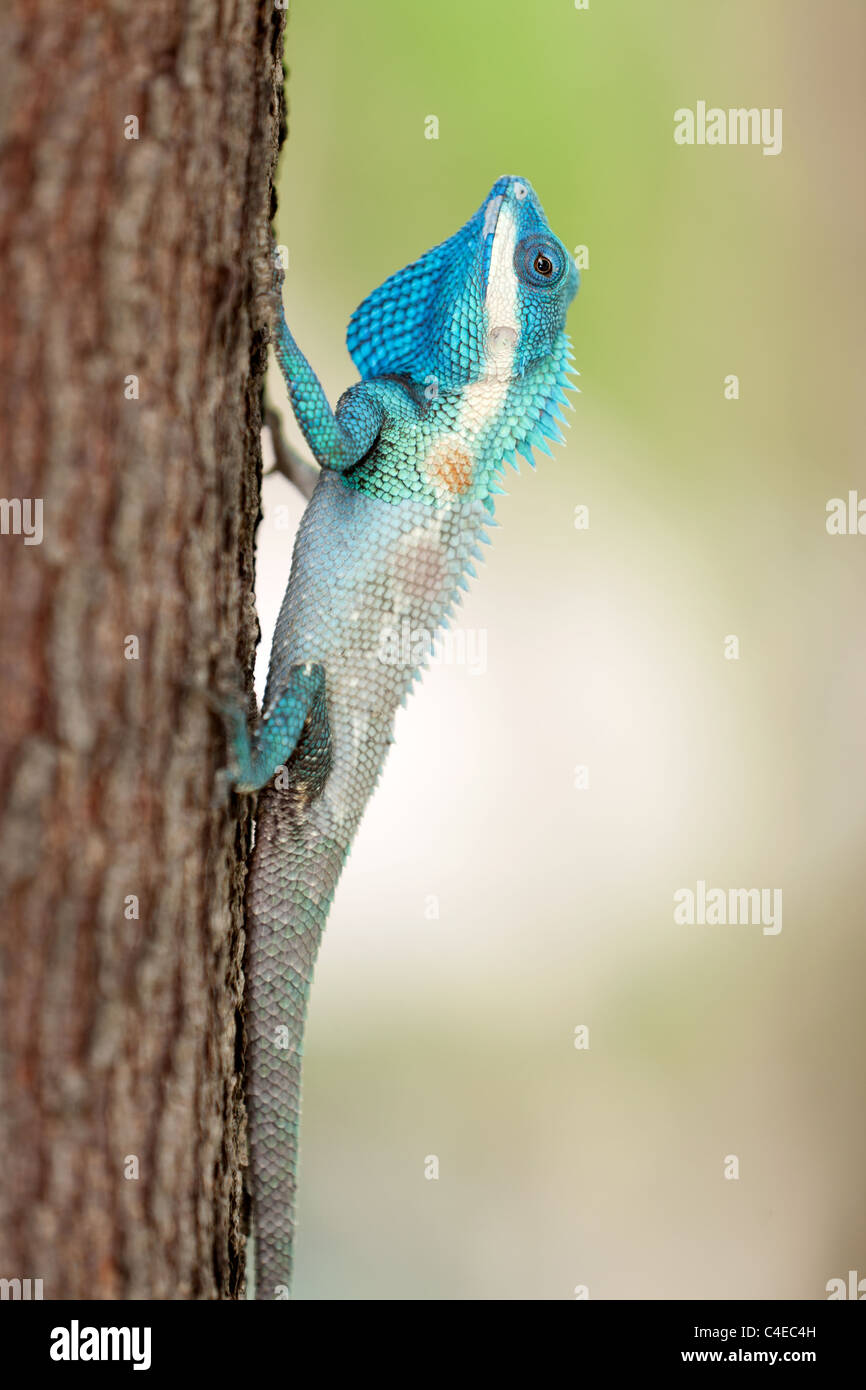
[[463, 360]]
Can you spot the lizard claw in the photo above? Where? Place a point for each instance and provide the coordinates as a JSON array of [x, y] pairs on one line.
[[231, 704], [279, 270]]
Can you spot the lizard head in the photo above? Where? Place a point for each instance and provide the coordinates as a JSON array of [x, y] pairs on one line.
[[527, 279], [487, 303]]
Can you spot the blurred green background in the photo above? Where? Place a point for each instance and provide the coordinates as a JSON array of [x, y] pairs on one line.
[[605, 647]]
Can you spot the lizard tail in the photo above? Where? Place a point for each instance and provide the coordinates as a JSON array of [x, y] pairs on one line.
[[288, 896]]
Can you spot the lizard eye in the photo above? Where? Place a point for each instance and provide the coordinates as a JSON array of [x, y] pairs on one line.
[[540, 261]]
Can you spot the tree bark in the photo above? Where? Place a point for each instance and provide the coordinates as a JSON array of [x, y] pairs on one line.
[[132, 346]]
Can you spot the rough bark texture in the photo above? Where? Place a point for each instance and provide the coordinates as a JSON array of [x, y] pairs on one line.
[[119, 1034]]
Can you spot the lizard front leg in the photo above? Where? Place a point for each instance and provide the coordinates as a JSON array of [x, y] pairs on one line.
[[338, 440]]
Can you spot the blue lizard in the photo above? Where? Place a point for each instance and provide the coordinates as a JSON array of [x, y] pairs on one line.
[[464, 362]]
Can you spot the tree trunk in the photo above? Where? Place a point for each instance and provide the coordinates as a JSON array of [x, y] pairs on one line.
[[132, 346]]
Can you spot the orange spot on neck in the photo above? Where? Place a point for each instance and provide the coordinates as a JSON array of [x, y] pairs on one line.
[[450, 466]]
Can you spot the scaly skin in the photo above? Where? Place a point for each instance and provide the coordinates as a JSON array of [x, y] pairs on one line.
[[464, 359]]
